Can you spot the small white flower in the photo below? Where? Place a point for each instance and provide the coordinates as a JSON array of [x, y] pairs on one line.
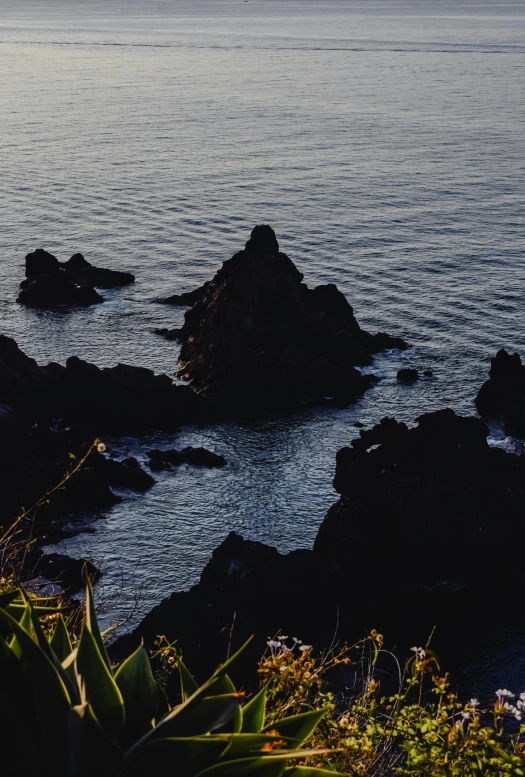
[[503, 693], [282, 669], [273, 645], [466, 715], [304, 648], [522, 696], [420, 653], [283, 637], [474, 702], [297, 641]]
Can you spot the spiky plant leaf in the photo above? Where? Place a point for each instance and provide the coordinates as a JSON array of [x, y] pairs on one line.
[[91, 621], [188, 686], [49, 697], [98, 686], [190, 754], [298, 728], [254, 713], [140, 693], [309, 771], [257, 767], [89, 750], [60, 642]]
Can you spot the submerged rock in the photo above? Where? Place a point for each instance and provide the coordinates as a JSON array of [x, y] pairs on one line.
[[259, 337], [196, 456], [502, 397]]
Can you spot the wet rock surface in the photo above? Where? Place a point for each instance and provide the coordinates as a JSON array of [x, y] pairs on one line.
[[50, 283], [259, 337], [502, 397]]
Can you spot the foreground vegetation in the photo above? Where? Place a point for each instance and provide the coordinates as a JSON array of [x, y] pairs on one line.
[[66, 711]]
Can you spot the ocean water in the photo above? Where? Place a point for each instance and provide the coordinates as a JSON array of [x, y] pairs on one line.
[[382, 140]]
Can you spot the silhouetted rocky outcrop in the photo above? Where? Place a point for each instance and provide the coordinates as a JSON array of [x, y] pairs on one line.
[[45, 291], [407, 375], [259, 337], [197, 456], [427, 523], [429, 503], [186, 298], [502, 397], [89, 401], [50, 282]]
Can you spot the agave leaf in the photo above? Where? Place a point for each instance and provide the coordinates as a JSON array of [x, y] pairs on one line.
[[233, 725], [173, 724], [188, 686], [99, 687], [7, 598], [298, 727], [254, 713], [60, 642], [309, 771], [51, 700], [188, 754], [91, 620], [274, 763], [262, 766], [68, 679], [26, 623], [89, 749], [244, 745], [139, 691]]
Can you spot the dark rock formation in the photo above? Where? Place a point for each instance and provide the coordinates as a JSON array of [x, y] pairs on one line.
[[121, 474], [196, 456], [187, 298], [258, 337], [122, 398], [247, 588], [86, 275], [57, 289], [168, 334], [49, 282], [502, 397], [407, 375], [431, 503], [67, 572], [423, 533]]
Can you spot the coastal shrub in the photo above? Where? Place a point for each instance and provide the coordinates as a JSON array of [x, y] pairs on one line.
[[66, 711], [422, 730]]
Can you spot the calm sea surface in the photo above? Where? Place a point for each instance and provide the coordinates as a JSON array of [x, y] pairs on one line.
[[383, 140]]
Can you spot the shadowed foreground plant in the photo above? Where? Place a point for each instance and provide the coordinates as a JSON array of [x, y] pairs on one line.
[[67, 712]]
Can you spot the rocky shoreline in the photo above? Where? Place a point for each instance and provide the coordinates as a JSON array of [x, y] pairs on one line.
[[418, 505]]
